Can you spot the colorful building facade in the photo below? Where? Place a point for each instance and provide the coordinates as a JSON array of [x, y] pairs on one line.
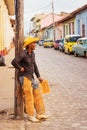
[[72, 23], [6, 29], [81, 22], [75, 22]]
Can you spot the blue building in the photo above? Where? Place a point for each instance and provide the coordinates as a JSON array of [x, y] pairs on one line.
[[81, 21]]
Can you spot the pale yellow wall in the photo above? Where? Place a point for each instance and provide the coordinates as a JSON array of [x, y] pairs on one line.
[[66, 24], [6, 31], [1, 26]]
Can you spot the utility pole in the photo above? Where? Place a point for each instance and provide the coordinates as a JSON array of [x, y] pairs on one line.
[[19, 35], [53, 20]]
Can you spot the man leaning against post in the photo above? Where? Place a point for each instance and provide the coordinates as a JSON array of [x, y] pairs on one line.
[[26, 64]]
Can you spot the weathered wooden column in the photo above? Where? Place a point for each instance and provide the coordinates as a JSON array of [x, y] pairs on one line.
[[19, 36], [53, 17]]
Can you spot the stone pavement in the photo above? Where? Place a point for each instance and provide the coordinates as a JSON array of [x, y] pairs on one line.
[[67, 111]]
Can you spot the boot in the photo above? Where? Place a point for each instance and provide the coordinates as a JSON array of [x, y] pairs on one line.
[[33, 119], [42, 116]]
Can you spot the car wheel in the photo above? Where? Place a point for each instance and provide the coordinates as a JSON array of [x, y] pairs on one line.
[[85, 54], [69, 52], [75, 54], [59, 49], [64, 51]]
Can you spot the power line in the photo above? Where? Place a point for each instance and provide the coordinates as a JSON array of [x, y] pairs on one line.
[[44, 11], [39, 8]]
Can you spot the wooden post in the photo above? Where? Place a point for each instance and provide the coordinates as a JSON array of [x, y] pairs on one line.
[[19, 36], [53, 20]]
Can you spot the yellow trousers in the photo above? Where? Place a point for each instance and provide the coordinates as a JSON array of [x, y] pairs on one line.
[[33, 98]]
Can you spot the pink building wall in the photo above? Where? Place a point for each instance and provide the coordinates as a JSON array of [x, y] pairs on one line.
[[48, 20]]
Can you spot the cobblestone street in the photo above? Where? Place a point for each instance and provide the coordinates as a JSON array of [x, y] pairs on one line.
[[67, 102]]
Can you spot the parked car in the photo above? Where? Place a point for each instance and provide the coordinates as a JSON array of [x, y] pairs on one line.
[[41, 42], [48, 43], [61, 45], [81, 47], [69, 41], [56, 44], [2, 60]]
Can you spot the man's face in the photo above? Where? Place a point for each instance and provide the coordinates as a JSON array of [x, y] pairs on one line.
[[32, 46]]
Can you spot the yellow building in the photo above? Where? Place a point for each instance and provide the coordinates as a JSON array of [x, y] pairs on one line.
[[6, 29], [36, 25]]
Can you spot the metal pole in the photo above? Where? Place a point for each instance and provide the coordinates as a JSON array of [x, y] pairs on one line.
[[19, 35]]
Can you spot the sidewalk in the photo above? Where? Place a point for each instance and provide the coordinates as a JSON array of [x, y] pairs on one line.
[[7, 83]]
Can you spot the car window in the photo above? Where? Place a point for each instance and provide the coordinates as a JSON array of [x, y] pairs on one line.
[[57, 41], [67, 40], [49, 41], [85, 41], [74, 39], [80, 42]]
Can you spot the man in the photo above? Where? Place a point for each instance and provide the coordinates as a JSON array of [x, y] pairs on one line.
[[2, 60], [26, 64]]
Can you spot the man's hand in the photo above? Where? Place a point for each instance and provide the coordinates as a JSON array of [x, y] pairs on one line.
[[40, 79]]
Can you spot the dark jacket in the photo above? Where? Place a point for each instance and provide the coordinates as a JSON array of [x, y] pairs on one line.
[[26, 60]]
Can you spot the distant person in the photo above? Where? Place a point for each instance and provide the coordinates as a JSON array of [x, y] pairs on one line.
[[26, 64], [2, 60]]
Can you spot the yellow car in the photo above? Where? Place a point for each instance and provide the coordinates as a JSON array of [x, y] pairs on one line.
[[48, 43], [69, 41]]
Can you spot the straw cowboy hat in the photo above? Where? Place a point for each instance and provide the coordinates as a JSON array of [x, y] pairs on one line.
[[30, 40]]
